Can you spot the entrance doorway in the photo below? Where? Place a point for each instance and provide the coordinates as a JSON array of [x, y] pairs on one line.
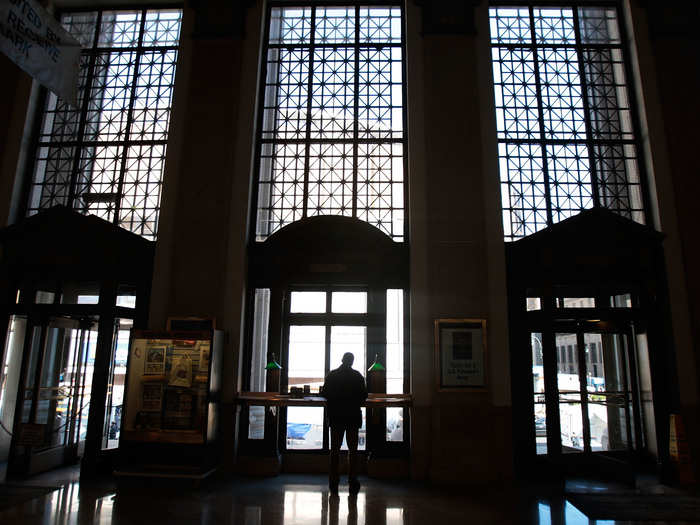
[[53, 400], [585, 389], [321, 325]]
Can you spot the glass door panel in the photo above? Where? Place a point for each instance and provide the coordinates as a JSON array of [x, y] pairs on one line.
[[115, 386], [569, 385], [538, 388], [304, 428], [609, 395], [349, 339], [307, 356], [54, 391]]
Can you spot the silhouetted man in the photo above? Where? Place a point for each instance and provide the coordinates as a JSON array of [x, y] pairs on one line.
[[345, 391]]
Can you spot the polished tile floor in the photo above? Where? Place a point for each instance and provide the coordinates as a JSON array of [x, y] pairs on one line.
[[296, 499]]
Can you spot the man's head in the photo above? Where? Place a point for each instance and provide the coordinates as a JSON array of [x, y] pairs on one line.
[[348, 358]]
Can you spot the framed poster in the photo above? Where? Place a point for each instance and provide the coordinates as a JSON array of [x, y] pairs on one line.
[[460, 354], [155, 359]]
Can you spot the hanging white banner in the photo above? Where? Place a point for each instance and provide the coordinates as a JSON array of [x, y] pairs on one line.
[[36, 42]]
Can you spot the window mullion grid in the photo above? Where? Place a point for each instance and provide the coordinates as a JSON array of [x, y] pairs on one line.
[[636, 122], [540, 109], [586, 111], [309, 94], [356, 109], [83, 114], [129, 122]]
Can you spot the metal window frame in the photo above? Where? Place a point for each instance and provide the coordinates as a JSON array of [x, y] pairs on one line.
[[80, 144], [307, 141], [589, 142]]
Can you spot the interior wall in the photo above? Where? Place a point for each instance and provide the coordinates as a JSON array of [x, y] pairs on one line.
[[457, 269], [669, 48]]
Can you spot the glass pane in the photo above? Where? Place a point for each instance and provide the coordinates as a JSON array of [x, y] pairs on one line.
[[394, 343], [361, 434], [89, 347], [56, 392], [304, 428], [571, 422], [31, 373], [349, 302], [256, 422], [540, 411], [621, 301], [608, 398], [261, 324], [575, 302], [533, 303], [394, 424], [126, 301], [115, 386], [349, 339], [9, 377], [308, 303], [44, 297], [307, 349]]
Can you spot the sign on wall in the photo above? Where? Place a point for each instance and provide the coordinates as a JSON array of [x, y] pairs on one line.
[[460, 354], [34, 40]]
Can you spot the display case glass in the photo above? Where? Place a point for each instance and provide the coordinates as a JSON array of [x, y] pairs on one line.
[[169, 387]]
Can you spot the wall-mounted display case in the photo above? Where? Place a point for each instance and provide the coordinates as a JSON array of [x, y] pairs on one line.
[[171, 408]]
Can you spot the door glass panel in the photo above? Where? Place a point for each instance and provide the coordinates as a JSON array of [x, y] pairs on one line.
[[308, 303], [304, 428], [307, 356], [349, 339], [570, 417], [608, 394], [540, 410], [62, 378], [361, 434], [88, 345], [394, 362], [9, 379], [115, 386], [35, 352]]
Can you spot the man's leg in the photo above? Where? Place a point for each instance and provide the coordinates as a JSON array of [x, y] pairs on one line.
[[336, 441], [351, 434]]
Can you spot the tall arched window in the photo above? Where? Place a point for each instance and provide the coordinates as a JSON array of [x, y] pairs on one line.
[[324, 276], [567, 126], [331, 134], [105, 156]]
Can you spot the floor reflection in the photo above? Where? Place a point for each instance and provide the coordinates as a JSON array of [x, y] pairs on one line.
[[565, 514], [297, 500]]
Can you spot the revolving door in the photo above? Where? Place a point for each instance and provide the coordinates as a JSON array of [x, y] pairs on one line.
[[71, 288], [585, 388], [54, 389]]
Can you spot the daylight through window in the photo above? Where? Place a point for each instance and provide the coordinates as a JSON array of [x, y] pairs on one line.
[[105, 157], [332, 137], [566, 132]]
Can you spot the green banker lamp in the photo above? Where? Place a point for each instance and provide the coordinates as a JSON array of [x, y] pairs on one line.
[[273, 372], [376, 377]]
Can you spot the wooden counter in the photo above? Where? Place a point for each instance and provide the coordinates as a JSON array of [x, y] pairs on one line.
[[275, 399]]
